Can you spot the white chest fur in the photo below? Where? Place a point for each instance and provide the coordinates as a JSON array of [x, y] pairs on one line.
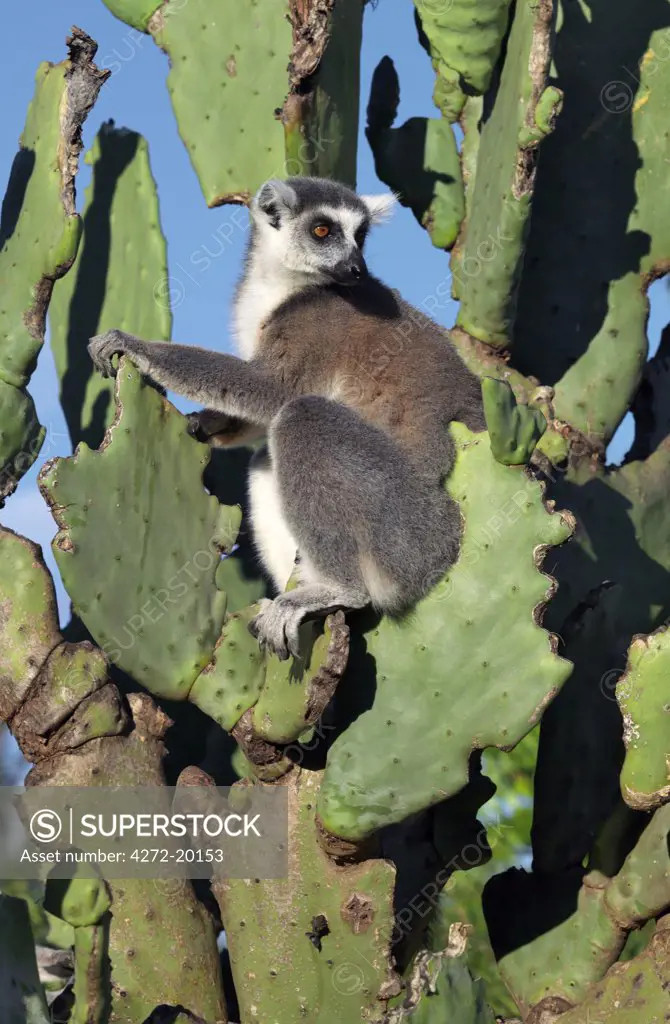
[[258, 296]]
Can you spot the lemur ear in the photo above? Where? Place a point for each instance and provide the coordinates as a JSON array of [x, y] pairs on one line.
[[380, 207], [273, 197]]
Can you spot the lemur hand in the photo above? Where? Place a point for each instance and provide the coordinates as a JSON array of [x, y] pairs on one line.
[[104, 347], [206, 423]]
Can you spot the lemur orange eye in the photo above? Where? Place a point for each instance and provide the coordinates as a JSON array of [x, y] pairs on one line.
[[321, 230]]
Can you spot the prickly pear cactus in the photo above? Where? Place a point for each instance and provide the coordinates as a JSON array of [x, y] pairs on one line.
[[464, 39], [113, 279], [337, 922], [489, 253], [631, 992], [419, 160], [514, 430], [642, 694], [122, 494], [296, 693], [39, 235], [468, 690]]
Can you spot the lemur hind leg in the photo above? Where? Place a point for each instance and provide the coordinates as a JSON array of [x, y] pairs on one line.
[[277, 624], [370, 526], [274, 542]]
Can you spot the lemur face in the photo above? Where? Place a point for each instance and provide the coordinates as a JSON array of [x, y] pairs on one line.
[[316, 228]]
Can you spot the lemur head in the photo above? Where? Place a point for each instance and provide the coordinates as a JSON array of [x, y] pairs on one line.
[[314, 228]]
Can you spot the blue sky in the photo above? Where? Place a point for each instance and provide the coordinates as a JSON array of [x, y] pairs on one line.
[[136, 97]]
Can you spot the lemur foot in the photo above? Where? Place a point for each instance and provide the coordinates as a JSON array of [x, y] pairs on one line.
[[103, 347], [276, 626]]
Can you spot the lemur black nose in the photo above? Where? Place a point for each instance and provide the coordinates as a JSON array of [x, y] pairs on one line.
[[350, 270], [356, 267]]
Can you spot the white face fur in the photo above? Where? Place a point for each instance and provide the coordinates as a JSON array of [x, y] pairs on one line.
[[314, 230]]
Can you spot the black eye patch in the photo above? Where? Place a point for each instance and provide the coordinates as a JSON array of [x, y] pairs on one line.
[[360, 235]]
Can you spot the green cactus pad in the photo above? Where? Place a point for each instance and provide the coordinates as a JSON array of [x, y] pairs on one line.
[[336, 922], [549, 106], [635, 992], [231, 683], [641, 889], [296, 691], [140, 540], [564, 938], [137, 13], [82, 900], [514, 429], [21, 436], [489, 258], [464, 38], [480, 668], [419, 160], [39, 235], [225, 116], [28, 619], [561, 940], [119, 278], [642, 694]]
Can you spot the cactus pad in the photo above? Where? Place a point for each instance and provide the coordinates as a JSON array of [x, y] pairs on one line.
[[137, 13], [225, 117], [335, 921], [480, 667], [418, 160], [514, 429], [489, 257], [28, 619], [560, 942], [296, 691], [633, 992], [39, 235], [231, 683], [140, 540], [464, 39], [564, 938], [641, 889], [642, 694], [119, 278], [81, 900]]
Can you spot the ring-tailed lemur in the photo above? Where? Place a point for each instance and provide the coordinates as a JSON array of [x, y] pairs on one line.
[[354, 389]]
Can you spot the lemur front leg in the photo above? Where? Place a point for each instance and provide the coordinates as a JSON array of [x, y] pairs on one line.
[[223, 382]]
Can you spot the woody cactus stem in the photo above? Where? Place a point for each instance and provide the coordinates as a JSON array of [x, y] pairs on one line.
[[324, 76], [75, 728]]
